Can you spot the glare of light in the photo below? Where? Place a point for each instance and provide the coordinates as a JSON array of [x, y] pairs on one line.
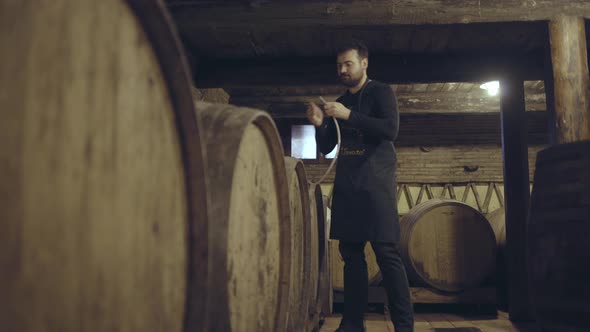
[[492, 87], [303, 144]]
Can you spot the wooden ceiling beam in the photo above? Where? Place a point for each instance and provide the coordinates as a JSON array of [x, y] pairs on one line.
[[305, 91], [300, 71], [223, 14], [297, 110]]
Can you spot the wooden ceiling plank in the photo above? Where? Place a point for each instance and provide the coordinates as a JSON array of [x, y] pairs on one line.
[[299, 71]]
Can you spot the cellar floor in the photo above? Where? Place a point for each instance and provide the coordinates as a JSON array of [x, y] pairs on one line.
[[439, 322]]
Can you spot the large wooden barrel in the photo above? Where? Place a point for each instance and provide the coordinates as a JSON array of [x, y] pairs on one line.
[[299, 296], [320, 291], [101, 170], [447, 245], [497, 220], [249, 230], [558, 238], [325, 291], [337, 266]]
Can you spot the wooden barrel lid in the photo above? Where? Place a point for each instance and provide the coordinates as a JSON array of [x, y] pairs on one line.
[[249, 230], [447, 244], [98, 191]]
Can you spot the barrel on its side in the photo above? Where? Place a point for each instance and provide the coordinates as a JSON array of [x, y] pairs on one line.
[[301, 248], [101, 169], [249, 232], [558, 245], [447, 245], [321, 299], [325, 291], [497, 220], [337, 266]]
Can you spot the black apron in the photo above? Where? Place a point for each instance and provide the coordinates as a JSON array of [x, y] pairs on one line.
[[364, 204]]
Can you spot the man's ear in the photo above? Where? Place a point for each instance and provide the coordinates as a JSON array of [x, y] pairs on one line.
[[365, 63]]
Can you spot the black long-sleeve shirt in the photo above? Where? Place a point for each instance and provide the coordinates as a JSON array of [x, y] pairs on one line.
[[381, 124], [364, 204]]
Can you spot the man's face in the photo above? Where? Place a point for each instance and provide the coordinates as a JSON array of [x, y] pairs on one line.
[[351, 68]]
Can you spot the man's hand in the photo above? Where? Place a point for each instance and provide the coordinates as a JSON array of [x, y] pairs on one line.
[[314, 114], [337, 110]]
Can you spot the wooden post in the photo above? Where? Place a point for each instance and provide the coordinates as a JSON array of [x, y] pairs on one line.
[[569, 58], [516, 189], [550, 96]]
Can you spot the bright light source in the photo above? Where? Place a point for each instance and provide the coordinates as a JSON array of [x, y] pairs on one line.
[[492, 87], [303, 145]]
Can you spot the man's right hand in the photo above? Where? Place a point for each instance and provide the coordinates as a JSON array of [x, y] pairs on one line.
[[314, 114]]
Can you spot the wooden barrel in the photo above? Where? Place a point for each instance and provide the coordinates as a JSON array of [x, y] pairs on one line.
[[299, 296], [447, 245], [314, 256], [318, 244], [249, 229], [558, 248], [497, 220], [325, 290], [101, 170], [337, 266]]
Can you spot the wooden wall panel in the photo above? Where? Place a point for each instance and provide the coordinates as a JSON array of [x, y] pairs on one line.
[[450, 129], [452, 164], [464, 128]]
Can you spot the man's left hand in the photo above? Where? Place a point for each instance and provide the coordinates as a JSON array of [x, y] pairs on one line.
[[336, 110]]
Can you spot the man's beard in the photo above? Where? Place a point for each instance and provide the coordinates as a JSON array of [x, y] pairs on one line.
[[349, 80]]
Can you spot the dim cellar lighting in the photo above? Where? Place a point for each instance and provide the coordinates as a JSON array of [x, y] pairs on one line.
[[492, 87]]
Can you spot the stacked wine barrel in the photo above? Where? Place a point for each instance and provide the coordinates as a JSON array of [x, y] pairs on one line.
[[321, 298], [308, 291], [102, 181], [250, 227], [127, 206], [300, 244]]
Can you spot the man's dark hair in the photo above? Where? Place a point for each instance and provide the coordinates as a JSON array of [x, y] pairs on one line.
[[354, 44]]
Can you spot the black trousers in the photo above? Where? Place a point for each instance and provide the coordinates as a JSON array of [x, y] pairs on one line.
[[394, 279]]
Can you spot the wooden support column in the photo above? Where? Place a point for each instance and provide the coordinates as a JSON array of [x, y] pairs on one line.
[[550, 96], [569, 59], [516, 189]]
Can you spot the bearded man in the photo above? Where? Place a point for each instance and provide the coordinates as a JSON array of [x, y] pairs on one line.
[[364, 206]]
